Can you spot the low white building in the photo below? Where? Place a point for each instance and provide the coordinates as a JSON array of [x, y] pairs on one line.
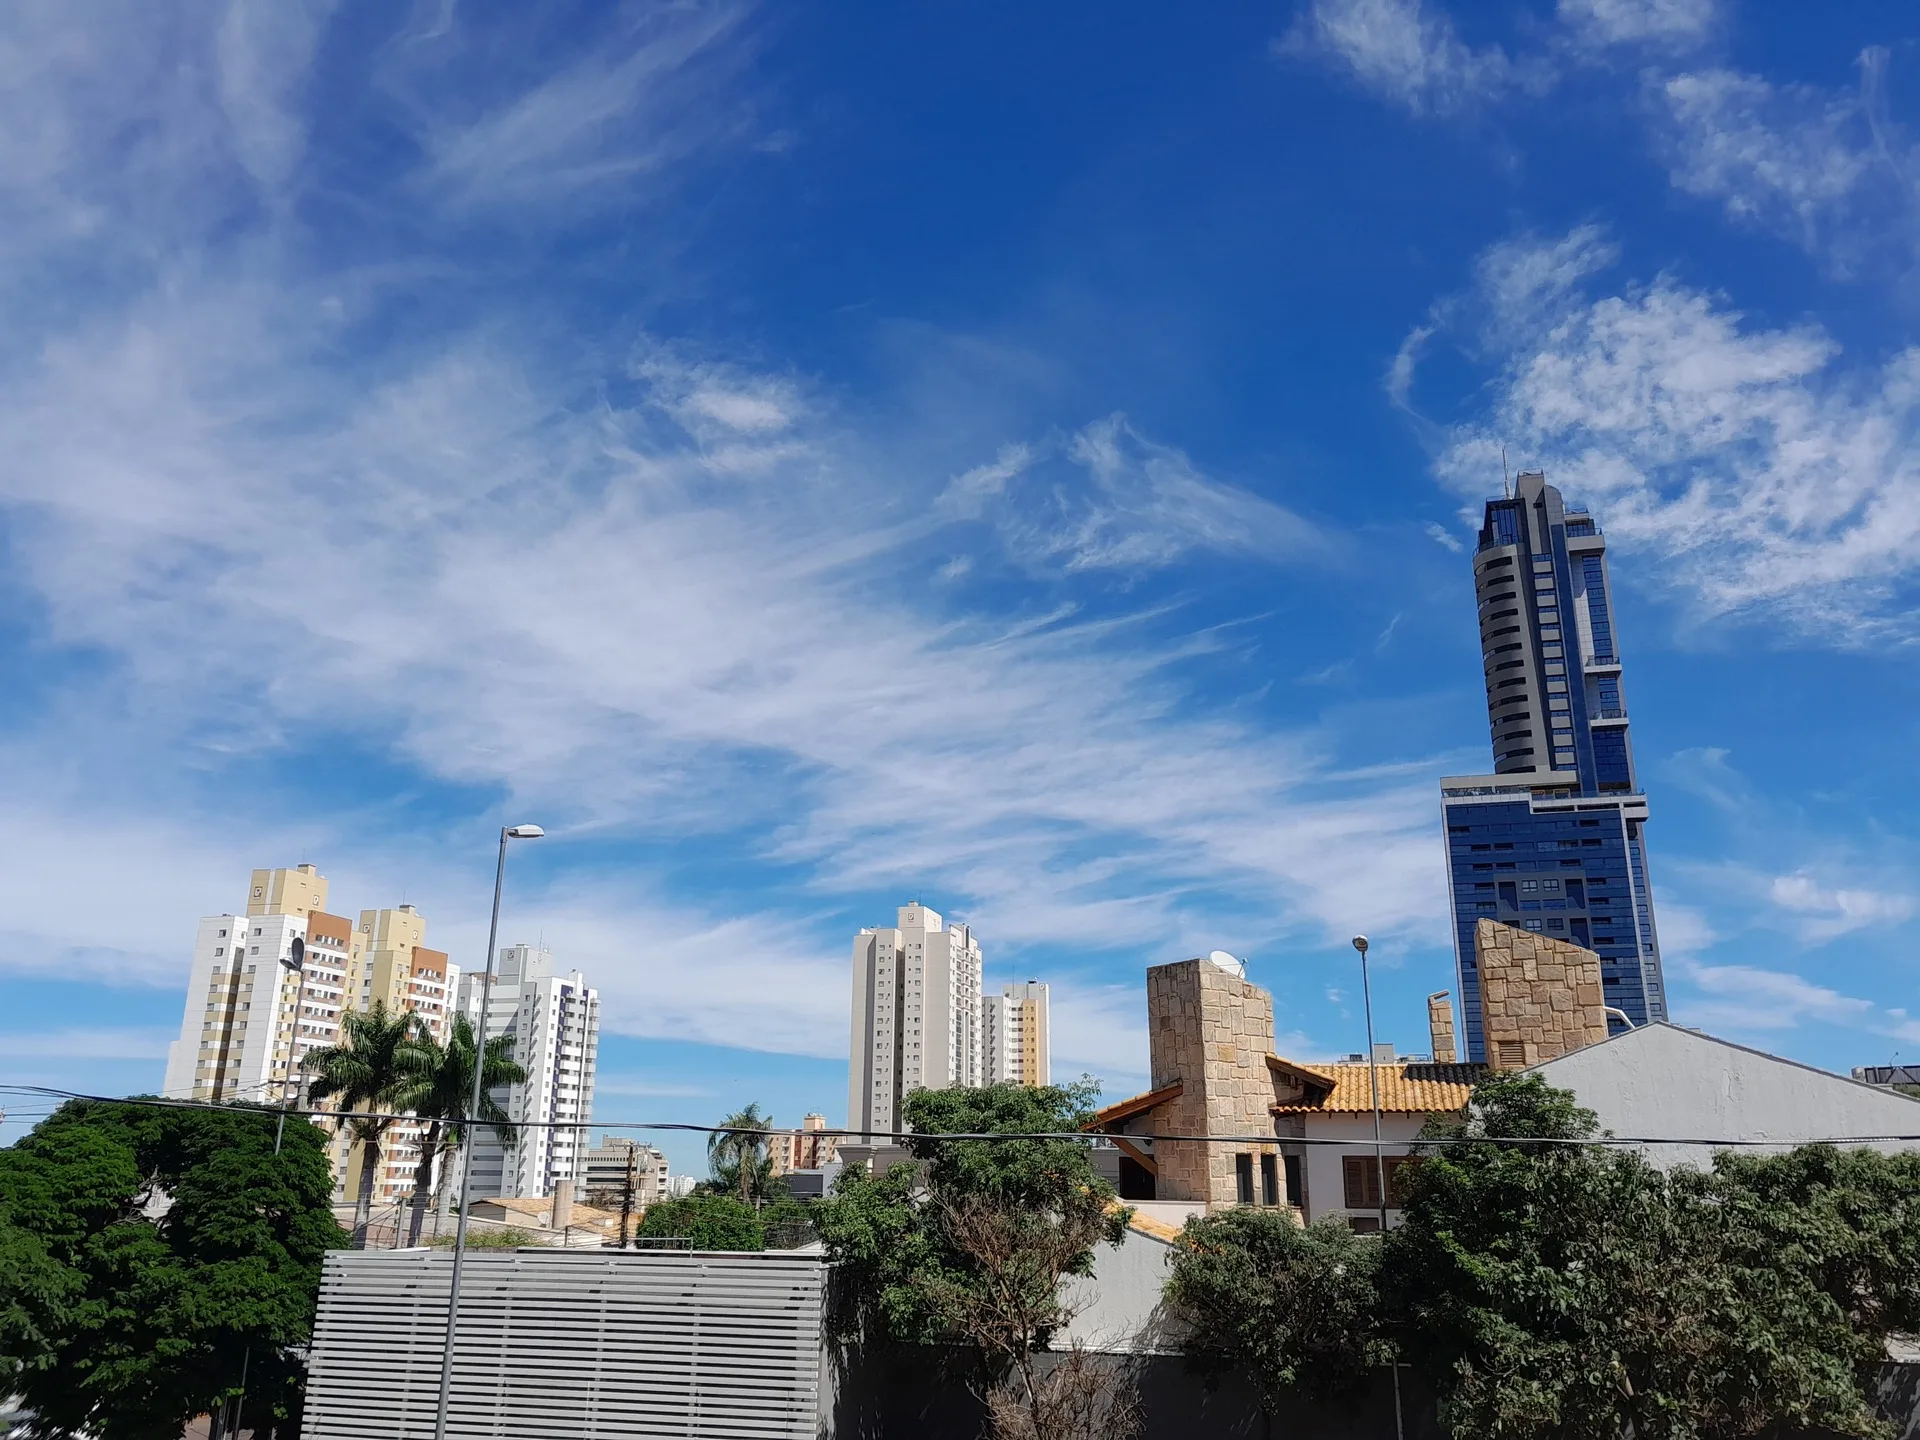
[[1682, 1090]]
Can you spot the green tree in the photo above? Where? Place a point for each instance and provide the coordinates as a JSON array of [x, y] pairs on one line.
[[144, 1251], [380, 1058], [441, 1094], [1295, 1308], [971, 1245], [1575, 1292], [737, 1153], [711, 1222]]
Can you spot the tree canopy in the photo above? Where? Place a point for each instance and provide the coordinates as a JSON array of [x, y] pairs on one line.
[[144, 1251], [970, 1244], [711, 1222], [1551, 1289]]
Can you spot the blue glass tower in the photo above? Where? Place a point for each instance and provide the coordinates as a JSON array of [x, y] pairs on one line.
[[1552, 840]]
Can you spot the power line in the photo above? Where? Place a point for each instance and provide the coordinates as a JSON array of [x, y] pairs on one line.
[[1602, 1142]]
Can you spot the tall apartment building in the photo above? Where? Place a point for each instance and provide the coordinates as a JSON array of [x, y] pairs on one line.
[[916, 1016], [1015, 1025], [1552, 841], [250, 1018], [555, 1022]]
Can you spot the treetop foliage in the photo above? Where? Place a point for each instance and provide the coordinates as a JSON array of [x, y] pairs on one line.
[[1575, 1292], [144, 1250]]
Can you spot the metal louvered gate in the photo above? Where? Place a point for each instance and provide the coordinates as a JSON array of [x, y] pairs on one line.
[[569, 1345]]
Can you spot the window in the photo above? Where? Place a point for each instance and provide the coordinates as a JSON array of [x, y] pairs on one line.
[[1556, 687], [1296, 1182], [1362, 1182], [1543, 564], [1556, 924], [1533, 924], [1269, 1179], [1550, 632], [1243, 1177], [1549, 884], [1529, 885]]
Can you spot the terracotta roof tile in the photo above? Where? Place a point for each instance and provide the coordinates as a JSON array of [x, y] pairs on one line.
[[1405, 1089], [1139, 1104]]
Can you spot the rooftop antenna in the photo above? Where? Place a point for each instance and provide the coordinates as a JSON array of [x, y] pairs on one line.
[[1506, 483]]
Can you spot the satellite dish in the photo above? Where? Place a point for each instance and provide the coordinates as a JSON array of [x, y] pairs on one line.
[[1229, 963]]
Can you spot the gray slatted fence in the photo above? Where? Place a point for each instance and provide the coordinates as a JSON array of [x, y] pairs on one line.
[[573, 1344]]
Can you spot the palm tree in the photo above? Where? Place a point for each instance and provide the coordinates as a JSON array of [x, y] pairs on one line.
[[737, 1151], [382, 1055], [440, 1095]]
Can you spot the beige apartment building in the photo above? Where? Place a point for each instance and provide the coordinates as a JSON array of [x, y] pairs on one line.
[[1018, 1048], [250, 1016], [253, 1015], [916, 1015], [808, 1148]]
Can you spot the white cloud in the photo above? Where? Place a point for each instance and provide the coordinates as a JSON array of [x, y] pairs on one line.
[[1767, 477], [1410, 54], [1746, 998], [579, 138], [1443, 536], [1108, 498], [1790, 158], [1833, 911], [1626, 22], [88, 1042]]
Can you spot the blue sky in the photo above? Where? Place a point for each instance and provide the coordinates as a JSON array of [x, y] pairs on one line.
[[809, 457]]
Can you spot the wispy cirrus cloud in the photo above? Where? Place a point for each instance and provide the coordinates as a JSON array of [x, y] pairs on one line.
[[1109, 498], [645, 587], [1765, 475], [1409, 53]]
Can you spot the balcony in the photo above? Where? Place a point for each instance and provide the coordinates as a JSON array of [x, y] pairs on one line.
[[1601, 662]]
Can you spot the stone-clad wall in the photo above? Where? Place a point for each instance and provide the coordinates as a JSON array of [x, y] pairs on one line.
[[1539, 997], [1440, 1026], [1212, 1032]]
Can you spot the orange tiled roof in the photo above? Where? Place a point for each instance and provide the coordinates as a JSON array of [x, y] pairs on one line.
[[1405, 1089], [1124, 1109]]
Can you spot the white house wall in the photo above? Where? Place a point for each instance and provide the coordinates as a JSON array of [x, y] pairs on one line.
[[1669, 1084]]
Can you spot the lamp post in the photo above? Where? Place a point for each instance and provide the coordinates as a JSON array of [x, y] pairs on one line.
[[1379, 1153], [510, 832]]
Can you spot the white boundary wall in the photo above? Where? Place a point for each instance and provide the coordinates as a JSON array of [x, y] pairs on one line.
[[579, 1345]]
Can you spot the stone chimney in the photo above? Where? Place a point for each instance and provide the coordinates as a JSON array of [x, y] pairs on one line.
[[1539, 997], [1440, 1026], [1210, 1032]]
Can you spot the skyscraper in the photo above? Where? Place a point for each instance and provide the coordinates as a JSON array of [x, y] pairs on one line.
[[916, 1016], [1552, 840], [555, 1024], [1017, 1044]]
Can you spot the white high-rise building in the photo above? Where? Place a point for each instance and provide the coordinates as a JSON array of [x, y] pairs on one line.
[[555, 1022], [1016, 1025], [916, 1016], [250, 1018]]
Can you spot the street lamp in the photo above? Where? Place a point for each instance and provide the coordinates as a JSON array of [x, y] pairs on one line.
[[510, 832], [1379, 1154]]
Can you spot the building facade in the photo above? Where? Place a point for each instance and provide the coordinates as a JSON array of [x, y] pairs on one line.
[[269, 986], [617, 1161], [250, 1016], [808, 1148], [555, 1024], [1229, 1123], [1015, 1025], [1552, 841], [917, 1016]]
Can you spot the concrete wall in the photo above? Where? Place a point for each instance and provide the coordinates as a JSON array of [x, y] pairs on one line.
[[1325, 1180], [1665, 1083]]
